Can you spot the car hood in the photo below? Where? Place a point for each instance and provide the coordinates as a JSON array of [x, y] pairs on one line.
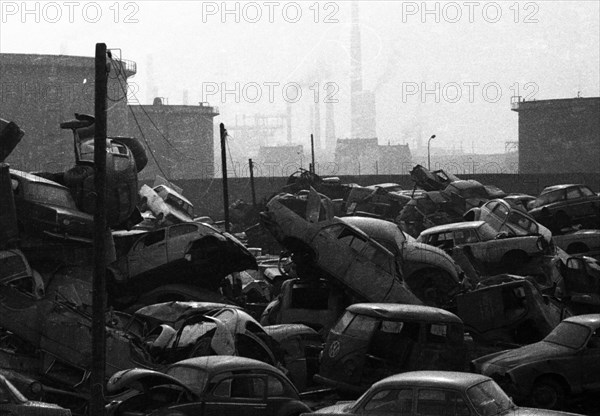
[[425, 253], [336, 409], [140, 379], [530, 353]]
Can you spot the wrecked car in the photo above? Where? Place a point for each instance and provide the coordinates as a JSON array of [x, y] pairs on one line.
[[47, 208], [190, 252], [473, 192], [222, 385], [581, 284], [486, 245], [433, 393], [12, 402], [312, 302], [585, 242], [342, 252], [371, 341], [430, 273], [565, 362], [379, 201], [510, 309], [10, 136], [503, 217], [432, 181], [561, 206]]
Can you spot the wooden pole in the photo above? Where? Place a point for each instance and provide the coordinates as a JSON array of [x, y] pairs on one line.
[[98, 364], [312, 152], [252, 183], [223, 133]]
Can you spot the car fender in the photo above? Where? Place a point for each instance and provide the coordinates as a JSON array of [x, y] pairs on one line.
[[524, 376], [293, 408]]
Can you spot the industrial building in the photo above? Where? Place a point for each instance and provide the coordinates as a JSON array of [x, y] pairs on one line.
[[559, 136]]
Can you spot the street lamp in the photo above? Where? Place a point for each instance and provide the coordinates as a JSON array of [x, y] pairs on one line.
[[428, 152]]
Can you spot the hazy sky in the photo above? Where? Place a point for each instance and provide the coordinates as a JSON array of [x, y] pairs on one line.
[[446, 68]]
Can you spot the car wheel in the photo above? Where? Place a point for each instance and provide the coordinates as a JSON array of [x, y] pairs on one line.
[[548, 393]]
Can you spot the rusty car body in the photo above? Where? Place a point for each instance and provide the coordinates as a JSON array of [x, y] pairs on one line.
[[375, 340], [340, 251], [566, 361], [485, 244]]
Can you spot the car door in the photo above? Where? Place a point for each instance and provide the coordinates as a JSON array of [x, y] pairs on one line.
[[238, 394], [589, 367], [147, 253], [178, 238]]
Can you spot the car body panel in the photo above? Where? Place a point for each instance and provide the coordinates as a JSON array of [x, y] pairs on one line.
[[563, 205], [13, 403], [571, 353]]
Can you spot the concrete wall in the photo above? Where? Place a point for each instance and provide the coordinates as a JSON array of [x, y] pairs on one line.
[[559, 135], [207, 196]]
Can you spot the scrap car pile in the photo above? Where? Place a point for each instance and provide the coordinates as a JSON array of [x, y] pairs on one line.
[[446, 278]]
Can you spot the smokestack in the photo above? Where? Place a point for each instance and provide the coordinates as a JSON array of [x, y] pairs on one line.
[[355, 52], [329, 127], [289, 122], [317, 123]]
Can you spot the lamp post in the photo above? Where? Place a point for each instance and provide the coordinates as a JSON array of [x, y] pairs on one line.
[[428, 152]]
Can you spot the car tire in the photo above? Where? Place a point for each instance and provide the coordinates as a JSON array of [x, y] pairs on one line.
[[548, 393]]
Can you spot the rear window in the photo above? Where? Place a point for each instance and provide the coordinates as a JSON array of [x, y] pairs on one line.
[[193, 378]]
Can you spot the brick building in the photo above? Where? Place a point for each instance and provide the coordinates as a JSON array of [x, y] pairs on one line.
[[38, 92], [559, 136], [181, 138]]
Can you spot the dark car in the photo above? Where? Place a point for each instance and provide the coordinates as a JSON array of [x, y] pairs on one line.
[[375, 340], [13, 403], [566, 361], [433, 393], [47, 208], [202, 386], [561, 206]]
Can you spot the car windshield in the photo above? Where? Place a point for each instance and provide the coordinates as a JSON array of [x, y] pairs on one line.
[[488, 399], [522, 223], [49, 194], [192, 377], [569, 334]]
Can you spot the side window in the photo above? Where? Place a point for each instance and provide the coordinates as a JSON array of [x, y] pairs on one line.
[[361, 327], [500, 211], [573, 193], [348, 237], [275, 387], [441, 403], [437, 333], [182, 229], [522, 222], [586, 191], [392, 402], [247, 387], [379, 257], [403, 336]]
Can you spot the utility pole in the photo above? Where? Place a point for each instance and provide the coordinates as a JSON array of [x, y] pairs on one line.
[[312, 152], [429, 152], [252, 182], [98, 365], [223, 133]]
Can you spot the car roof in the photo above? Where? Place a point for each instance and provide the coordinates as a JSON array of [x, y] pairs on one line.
[[374, 227], [557, 187], [223, 363], [591, 320], [465, 184], [467, 225], [442, 379], [409, 312]]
